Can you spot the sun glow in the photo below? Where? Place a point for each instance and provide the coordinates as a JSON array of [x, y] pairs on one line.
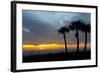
[[51, 46]]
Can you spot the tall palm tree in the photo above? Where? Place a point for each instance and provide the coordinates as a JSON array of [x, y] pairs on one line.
[[85, 28], [64, 30], [75, 25]]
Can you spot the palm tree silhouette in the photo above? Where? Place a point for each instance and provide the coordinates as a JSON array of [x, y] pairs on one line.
[[64, 30], [85, 28], [75, 25]]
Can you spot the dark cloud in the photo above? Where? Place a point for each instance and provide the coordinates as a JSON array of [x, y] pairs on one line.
[[42, 27]]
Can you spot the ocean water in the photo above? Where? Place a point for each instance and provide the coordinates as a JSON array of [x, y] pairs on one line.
[[43, 52]]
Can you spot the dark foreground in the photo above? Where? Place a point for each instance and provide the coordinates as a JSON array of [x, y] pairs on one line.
[[58, 57]]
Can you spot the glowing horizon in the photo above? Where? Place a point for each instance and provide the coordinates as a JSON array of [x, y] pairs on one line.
[[51, 46]]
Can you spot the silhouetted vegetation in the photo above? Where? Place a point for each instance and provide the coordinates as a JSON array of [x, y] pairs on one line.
[[79, 55], [85, 28], [64, 30], [76, 25]]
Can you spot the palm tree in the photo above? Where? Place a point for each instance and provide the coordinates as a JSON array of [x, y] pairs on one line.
[[75, 25], [85, 28], [64, 30]]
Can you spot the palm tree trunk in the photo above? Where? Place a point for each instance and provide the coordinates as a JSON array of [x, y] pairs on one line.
[[77, 36], [65, 42], [85, 41], [78, 44]]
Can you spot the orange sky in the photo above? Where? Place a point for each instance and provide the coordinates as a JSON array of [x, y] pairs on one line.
[[50, 46]]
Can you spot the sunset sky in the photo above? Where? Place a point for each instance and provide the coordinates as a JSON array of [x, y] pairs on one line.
[[40, 29], [31, 47]]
